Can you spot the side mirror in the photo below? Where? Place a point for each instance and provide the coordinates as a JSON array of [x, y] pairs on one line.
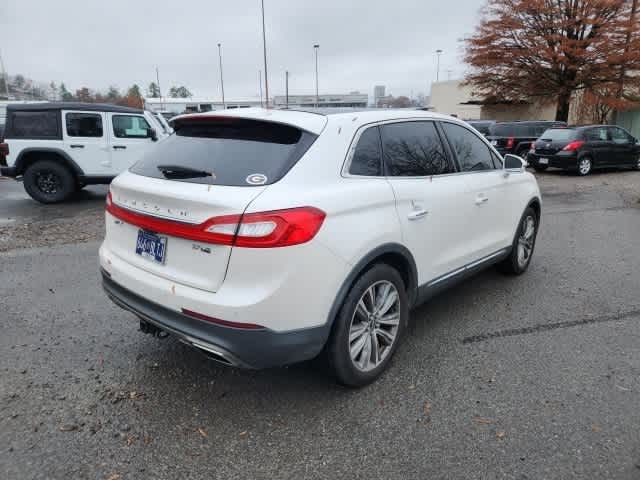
[[152, 134], [514, 162]]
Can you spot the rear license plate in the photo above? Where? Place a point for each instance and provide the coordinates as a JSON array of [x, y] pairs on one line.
[[151, 246], [543, 161]]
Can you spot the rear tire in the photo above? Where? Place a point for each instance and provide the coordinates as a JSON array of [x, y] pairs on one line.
[[376, 309], [585, 165], [523, 245], [47, 181]]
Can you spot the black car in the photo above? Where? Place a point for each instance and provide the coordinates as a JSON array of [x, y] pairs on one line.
[[584, 148], [483, 126], [516, 137]]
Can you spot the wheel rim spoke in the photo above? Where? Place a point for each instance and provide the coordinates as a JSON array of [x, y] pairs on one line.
[[357, 347], [392, 319], [386, 336], [357, 332], [375, 349]]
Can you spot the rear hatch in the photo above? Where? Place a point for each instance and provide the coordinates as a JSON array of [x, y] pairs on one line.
[[173, 206], [554, 140]]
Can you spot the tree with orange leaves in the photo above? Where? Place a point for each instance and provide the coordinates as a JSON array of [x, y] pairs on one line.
[[527, 49]]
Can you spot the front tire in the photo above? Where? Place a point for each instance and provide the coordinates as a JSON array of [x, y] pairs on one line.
[[523, 244], [369, 327], [47, 181]]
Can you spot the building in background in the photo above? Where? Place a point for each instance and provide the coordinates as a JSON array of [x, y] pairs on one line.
[[378, 94], [348, 100], [194, 104], [451, 97]]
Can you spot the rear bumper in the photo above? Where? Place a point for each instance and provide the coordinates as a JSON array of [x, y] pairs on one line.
[[237, 347], [557, 161], [8, 172]]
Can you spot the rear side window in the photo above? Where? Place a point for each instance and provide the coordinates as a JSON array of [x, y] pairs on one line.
[[413, 149], [83, 125], [226, 151], [130, 126], [472, 153], [598, 134], [558, 135], [367, 156], [39, 125]]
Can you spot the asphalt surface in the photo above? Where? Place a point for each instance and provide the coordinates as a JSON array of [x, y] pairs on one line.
[[534, 377]]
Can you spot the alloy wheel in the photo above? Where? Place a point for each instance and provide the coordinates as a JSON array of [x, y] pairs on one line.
[[374, 325], [48, 182], [584, 166], [525, 241]]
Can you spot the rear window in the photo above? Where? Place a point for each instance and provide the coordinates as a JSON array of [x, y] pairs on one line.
[[33, 124], [559, 134], [229, 151], [502, 130]]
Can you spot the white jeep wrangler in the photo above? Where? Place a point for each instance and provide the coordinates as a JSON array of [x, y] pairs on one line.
[[58, 148]]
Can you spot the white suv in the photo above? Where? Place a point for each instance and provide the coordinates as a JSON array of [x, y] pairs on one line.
[[58, 148], [265, 237]]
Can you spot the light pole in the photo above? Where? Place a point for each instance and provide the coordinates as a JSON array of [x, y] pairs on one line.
[[264, 49], [315, 48], [438, 53], [260, 86], [286, 88], [159, 90], [224, 105]]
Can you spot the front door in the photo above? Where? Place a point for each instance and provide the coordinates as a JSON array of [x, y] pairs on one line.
[[428, 201], [85, 141], [130, 139], [600, 146]]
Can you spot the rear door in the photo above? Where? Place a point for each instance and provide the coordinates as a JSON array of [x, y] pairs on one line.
[[489, 196], [624, 147], [85, 141], [207, 170], [130, 139], [600, 146], [428, 193]]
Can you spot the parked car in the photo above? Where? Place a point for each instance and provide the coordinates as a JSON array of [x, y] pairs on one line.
[[585, 148], [58, 148], [483, 126], [516, 137], [265, 237]]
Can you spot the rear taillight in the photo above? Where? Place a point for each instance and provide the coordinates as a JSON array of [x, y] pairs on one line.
[[510, 142], [573, 146], [533, 147], [4, 149], [278, 228]]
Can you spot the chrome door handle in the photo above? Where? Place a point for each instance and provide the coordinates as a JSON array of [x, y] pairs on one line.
[[481, 200], [417, 214], [119, 147]]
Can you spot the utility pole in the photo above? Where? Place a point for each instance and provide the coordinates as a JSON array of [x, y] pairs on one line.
[[224, 105], [264, 49], [286, 88], [315, 48], [159, 89], [260, 86], [438, 53]]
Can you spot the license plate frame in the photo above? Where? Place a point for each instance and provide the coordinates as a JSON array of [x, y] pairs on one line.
[[543, 161], [151, 246]]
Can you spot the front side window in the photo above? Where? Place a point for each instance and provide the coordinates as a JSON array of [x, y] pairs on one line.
[[413, 149], [472, 153], [367, 156], [83, 124], [619, 136], [130, 126], [33, 124]]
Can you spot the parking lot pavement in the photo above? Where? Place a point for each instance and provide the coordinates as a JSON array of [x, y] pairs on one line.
[[522, 378]]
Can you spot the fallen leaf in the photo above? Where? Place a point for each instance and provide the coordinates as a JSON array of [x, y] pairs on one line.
[[482, 421], [596, 428], [427, 408], [115, 476], [243, 434], [146, 439], [202, 432], [131, 439], [501, 434], [68, 427]]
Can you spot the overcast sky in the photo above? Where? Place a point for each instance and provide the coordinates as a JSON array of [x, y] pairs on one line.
[[119, 42]]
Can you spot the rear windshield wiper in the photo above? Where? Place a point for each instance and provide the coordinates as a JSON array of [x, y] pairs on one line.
[[177, 171]]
